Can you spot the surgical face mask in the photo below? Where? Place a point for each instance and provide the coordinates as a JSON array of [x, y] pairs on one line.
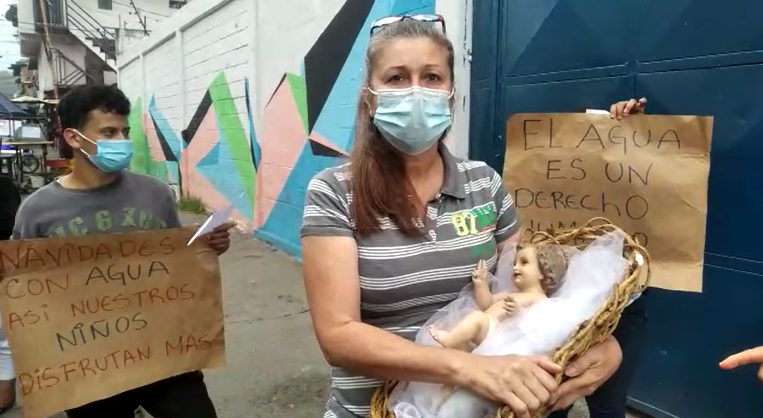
[[412, 119], [112, 155]]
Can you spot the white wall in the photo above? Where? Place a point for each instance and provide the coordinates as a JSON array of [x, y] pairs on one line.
[[192, 73], [26, 16]]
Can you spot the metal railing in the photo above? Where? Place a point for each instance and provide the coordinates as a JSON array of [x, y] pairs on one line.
[[68, 73], [80, 20]]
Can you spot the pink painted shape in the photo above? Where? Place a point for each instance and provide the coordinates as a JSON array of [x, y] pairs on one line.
[[326, 143], [200, 187], [282, 138], [201, 144], [154, 145]]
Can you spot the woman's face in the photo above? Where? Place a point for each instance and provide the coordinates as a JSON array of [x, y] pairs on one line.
[[410, 62]]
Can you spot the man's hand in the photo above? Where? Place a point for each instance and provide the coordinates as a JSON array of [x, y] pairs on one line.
[[751, 356], [588, 372], [622, 109], [219, 238]]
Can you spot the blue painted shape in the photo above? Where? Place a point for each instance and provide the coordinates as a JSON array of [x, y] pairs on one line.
[[173, 141], [212, 159], [337, 120], [282, 226], [224, 177], [684, 63]]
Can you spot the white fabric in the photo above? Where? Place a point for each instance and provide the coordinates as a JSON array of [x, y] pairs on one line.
[[588, 283]]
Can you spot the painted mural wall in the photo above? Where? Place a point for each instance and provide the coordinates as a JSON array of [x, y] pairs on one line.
[[241, 102]]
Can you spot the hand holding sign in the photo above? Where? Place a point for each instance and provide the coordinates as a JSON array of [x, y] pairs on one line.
[[648, 174]]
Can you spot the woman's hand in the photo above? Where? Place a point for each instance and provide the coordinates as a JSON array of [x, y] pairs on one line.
[[622, 109], [588, 372], [523, 383], [751, 356]]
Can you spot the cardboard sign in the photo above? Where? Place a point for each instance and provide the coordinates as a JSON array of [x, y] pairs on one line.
[[92, 316], [647, 173]]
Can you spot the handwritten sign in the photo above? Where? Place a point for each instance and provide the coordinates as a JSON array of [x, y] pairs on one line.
[[92, 316], [646, 173]]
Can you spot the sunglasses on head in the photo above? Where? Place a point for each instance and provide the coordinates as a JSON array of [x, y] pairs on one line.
[[386, 21]]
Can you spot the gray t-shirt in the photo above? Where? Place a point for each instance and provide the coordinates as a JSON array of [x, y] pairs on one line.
[[133, 202], [404, 280]]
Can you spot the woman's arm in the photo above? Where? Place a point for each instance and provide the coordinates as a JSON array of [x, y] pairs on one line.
[[333, 295], [332, 284]]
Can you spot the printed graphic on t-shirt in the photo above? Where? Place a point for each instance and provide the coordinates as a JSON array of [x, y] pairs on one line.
[[107, 221]]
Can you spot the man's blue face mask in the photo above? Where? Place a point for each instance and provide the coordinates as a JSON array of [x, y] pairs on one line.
[[112, 155], [412, 119]]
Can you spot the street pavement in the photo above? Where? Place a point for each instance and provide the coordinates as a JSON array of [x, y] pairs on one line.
[[274, 366]]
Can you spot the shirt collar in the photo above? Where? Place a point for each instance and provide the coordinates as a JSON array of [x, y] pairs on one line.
[[455, 177]]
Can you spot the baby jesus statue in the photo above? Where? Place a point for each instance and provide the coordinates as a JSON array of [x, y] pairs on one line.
[[538, 272]]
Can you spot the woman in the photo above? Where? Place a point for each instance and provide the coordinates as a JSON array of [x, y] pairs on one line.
[[393, 236]]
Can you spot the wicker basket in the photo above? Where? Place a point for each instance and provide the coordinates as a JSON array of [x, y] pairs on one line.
[[589, 333]]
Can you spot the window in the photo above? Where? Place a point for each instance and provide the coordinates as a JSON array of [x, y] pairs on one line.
[[176, 4], [105, 4]]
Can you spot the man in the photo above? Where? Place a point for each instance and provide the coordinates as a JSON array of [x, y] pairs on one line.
[[100, 197]]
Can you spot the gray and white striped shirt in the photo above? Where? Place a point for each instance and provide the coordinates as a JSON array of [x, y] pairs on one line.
[[404, 280]]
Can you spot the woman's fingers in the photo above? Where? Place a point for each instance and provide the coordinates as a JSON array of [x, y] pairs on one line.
[[546, 379], [516, 405], [548, 365]]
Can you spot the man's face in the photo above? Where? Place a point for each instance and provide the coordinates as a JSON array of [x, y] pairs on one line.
[[99, 126]]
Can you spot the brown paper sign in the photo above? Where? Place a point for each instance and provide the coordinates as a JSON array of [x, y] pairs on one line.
[[92, 316], [647, 173]]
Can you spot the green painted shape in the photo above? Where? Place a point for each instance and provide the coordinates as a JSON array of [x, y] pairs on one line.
[[229, 122], [299, 92], [141, 160]]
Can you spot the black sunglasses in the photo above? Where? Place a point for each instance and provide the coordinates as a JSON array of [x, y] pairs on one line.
[[385, 21]]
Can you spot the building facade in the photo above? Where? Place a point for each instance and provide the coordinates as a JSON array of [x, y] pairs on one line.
[[74, 42]]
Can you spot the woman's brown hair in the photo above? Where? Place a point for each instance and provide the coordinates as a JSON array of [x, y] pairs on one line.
[[380, 184]]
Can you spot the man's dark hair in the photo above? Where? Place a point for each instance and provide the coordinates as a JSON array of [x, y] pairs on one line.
[[74, 107]]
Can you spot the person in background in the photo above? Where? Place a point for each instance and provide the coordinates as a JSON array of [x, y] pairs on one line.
[[10, 199], [609, 400], [100, 197]]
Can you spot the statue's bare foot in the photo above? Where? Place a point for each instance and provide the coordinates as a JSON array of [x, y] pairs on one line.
[[439, 335]]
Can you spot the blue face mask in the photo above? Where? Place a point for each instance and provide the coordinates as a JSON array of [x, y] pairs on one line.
[[413, 119], [112, 155]]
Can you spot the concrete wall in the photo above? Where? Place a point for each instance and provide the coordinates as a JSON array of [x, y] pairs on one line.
[[25, 14], [242, 101]]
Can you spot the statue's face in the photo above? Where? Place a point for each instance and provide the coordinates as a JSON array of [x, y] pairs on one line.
[[526, 269]]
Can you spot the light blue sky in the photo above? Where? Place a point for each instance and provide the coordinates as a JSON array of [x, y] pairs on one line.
[[9, 44]]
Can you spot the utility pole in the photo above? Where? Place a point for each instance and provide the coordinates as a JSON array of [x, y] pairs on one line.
[[46, 45], [140, 19]]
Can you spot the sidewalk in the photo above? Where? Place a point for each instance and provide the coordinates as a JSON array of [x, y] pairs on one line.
[[275, 368]]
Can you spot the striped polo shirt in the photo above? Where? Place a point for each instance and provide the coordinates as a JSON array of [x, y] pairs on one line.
[[405, 280]]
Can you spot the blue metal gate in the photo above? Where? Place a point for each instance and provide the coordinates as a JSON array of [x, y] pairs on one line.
[[701, 57]]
